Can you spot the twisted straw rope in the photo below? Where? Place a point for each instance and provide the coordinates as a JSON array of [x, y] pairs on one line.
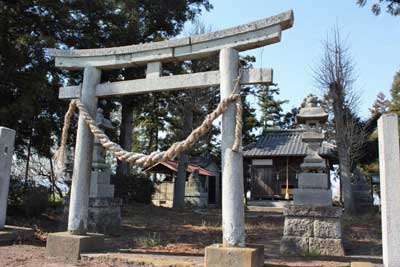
[[176, 149]]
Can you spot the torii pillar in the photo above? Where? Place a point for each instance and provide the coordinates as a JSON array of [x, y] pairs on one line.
[[233, 252], [70, 244]]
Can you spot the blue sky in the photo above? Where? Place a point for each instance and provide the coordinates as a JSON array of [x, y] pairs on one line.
[[374, 42]]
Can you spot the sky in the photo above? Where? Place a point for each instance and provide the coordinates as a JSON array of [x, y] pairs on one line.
[[374, 43]]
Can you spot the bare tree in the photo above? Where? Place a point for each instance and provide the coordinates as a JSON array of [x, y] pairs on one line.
[[335, 76]]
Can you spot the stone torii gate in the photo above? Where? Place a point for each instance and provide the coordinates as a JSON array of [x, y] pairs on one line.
[[228, 43]]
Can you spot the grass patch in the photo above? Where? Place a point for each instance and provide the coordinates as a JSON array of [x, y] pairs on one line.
[[151, 240]]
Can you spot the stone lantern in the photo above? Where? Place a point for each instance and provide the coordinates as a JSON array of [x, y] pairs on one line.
[[312, 224], [104, 209], [314, 187]]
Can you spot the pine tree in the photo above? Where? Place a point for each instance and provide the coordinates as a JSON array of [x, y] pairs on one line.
[[271, 108], [395, 94], [381, 105]]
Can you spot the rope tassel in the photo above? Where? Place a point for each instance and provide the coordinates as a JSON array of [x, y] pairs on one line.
[[143, 160]]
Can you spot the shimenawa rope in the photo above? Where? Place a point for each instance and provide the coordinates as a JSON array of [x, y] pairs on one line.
[[144, 160]]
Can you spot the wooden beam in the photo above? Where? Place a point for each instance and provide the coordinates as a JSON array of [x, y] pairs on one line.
[[244, 37], [168, 83]]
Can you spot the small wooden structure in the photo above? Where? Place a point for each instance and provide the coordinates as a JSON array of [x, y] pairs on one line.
[[202, 183], [272, 163]]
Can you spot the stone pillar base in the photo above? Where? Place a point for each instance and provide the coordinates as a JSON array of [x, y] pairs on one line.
[[312, 231], [220, 256], [68, 247]]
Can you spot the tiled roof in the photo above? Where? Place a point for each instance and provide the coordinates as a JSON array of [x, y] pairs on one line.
[[173, 165], [278, 143]]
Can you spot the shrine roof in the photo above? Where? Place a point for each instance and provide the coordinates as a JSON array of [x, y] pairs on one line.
[[283, 143]]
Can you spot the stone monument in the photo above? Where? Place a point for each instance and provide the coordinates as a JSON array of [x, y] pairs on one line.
[[195, 193], [312, 224], [7, 137], [389, 169], [104, 209], [8, 233], [362, 193]]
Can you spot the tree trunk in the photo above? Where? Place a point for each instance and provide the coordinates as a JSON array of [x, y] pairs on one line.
[[342, 145], [28, 158], [125, 136], [53, 181], [345, 176], [180, 181]]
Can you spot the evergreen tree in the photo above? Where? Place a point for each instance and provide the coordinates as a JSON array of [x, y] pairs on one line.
[[29, 88], [381, 105], [392, 6], [29, 85], [395, 94], [271, 108]]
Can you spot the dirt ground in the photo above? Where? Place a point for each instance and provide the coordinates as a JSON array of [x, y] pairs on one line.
[[162, 231]]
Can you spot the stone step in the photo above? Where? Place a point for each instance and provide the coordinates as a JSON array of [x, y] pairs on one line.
[[143, 260], [10, 234], [364, 264]]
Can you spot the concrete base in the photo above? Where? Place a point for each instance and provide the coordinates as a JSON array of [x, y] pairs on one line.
[[12, 234], [220, 256], [69, 247]]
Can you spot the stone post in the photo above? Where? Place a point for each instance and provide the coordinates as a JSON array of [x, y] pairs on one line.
[[79, 203], [232, 162], [7, 137], [389, 166]]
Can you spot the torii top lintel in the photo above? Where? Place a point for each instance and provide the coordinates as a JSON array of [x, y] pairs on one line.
[[244, 37]]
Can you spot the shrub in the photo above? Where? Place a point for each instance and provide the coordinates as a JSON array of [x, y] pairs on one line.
[[133, 188], [27, 199]]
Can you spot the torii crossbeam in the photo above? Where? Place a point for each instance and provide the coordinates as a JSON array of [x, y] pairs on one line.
[[227, 43]]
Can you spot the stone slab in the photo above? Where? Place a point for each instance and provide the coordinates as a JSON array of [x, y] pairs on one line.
[[69, 247], [102, 177], [308, 211], [220, 256], [363, 264], [311, 246], [325, 247], [14, 234], [327, 228], [142, 259], [102, 190], [294, 246], [105, 202], [301, 227], [313, 180], [312, 197], [105, 219]]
